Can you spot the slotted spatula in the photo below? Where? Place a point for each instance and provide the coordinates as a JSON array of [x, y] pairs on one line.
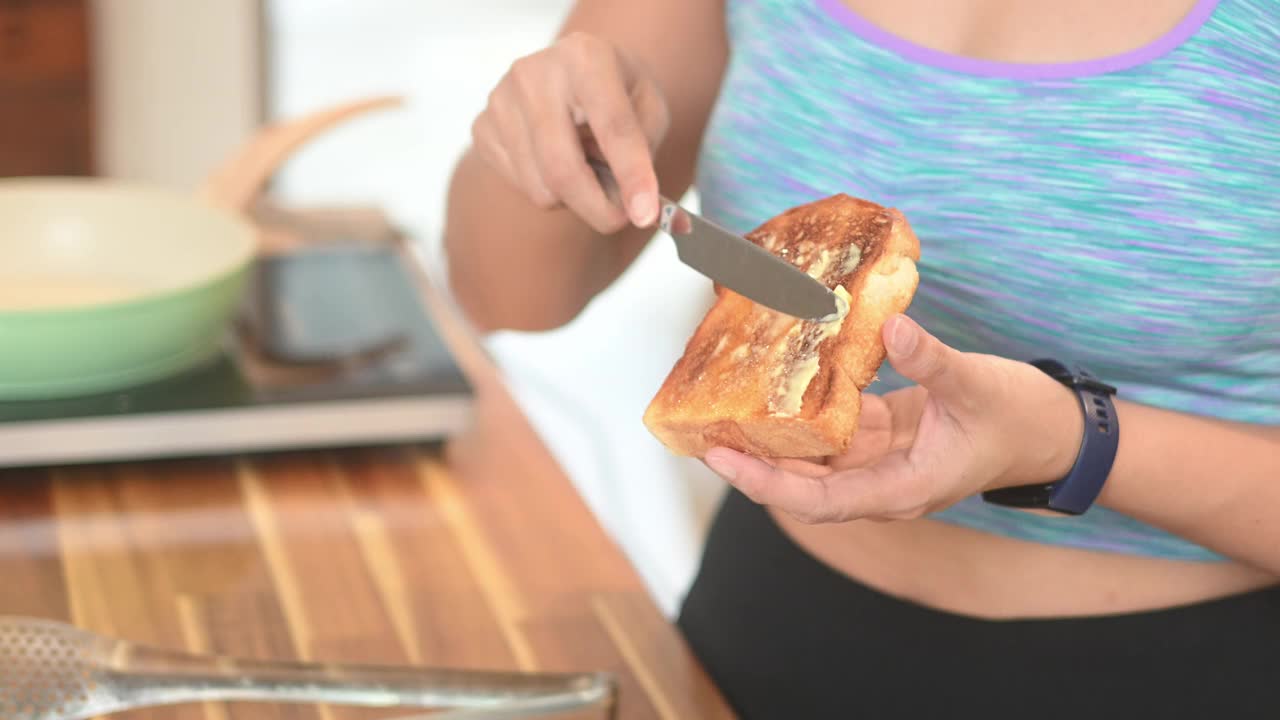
[[54, 671]]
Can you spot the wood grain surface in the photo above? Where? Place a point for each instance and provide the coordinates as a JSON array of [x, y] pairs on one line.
[[475, 554]]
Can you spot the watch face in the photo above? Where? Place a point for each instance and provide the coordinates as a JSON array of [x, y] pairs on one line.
[[1096, 386], [1078, 377], [1022, 496], [1053, 369]]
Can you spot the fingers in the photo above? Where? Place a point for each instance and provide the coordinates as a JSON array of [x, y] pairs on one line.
[[948, 374], [503, 139], [601, 86], [560, 160], [532, 130], [487, 141], [873, 438], [812, 467], [890, 489], [652, 110]]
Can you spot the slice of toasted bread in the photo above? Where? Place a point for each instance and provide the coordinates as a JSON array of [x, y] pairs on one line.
[[768, 384]]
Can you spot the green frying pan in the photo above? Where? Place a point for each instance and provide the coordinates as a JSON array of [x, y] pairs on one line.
[[105, 284]]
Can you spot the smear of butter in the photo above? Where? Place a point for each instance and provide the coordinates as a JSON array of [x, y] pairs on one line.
[[820, 264], [792, 336], [852, 256], [791, 397], [849, 257], [842, 306]]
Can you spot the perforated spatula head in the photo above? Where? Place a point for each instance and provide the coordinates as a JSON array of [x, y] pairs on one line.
[[49, 671]]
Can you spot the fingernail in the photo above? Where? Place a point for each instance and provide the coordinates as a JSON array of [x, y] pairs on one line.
[[643, 209], [722, 467], [902, 337]]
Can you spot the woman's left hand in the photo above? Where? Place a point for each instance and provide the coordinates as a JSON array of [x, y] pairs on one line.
[[973, 422]]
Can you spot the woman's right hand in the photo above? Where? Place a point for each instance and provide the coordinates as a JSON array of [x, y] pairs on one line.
[[581, 96]]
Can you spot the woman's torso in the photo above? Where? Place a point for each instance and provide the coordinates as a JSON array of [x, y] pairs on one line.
[[1112, 203]]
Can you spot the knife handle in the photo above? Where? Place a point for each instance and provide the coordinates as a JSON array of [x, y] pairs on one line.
[[607, 181], [672, 219]]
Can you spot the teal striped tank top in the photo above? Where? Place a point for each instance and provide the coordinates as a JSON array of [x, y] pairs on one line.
[[1123, 213]]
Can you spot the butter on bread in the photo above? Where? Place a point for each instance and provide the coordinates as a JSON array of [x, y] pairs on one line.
[[771, 385]]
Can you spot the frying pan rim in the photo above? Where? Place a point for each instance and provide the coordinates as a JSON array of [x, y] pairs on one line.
[[239, 258]]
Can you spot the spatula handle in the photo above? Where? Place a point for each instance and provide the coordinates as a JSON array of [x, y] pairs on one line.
[[154, 677]]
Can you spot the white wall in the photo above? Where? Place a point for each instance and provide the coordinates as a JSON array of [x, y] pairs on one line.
[[584, 386], [177, 86]]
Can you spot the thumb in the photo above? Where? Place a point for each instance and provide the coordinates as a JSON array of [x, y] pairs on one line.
[[926, 360]]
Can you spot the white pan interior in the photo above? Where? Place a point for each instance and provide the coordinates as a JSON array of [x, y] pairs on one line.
[[69, 243]]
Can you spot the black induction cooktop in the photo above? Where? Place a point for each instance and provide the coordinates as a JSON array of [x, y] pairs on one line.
[[333, 348]]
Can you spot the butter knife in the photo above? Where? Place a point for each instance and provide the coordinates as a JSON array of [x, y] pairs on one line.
[[735, 262]]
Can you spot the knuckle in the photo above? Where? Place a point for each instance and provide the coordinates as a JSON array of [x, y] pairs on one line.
[[559, 176], [536, 189], [485, 127], [525, 73], [748, 489], [492, 103], [1004, 377], [809, 516], [490, 151], [817, 506], [803, 516], [620, 125], [495, 97], [931, 357], [648, 96], [611, 223], [913, 512], [479, 130], [933, 362], [639, 177], [520, 66], [581, 45], [498, 105], [543, 200], [660, 120], [916, 502]]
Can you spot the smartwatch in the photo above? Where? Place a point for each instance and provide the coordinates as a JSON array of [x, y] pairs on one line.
[[1075, 493]]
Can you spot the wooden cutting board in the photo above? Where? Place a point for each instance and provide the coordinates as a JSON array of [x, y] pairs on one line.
[[475, 554]]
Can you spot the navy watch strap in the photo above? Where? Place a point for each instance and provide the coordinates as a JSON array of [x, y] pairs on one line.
[[1076, 492]]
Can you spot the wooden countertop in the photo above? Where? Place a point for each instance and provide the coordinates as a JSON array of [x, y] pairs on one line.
[[477, 554]]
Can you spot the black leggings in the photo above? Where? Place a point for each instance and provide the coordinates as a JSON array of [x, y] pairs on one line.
[[785, 636]]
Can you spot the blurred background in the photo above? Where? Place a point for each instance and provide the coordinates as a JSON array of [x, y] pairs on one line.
[[160, 91]]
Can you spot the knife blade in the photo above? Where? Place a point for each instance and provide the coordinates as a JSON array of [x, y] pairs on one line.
[[735, 262], [744, 267]]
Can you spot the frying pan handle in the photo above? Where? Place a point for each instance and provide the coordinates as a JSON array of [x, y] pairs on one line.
[[238, 180]]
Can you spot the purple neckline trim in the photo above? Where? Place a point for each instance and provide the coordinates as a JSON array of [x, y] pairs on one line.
[[1185, 28]]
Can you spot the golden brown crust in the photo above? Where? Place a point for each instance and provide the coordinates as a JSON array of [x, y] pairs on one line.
[[738, 382]]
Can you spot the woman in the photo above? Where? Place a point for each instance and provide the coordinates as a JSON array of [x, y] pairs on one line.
[[1091, 181]]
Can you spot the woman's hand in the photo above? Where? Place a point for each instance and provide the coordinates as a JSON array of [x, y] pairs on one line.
[[582, 91], [973, 423]]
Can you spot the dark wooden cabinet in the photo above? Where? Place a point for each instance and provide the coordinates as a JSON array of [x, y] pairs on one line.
[[46, 98]]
